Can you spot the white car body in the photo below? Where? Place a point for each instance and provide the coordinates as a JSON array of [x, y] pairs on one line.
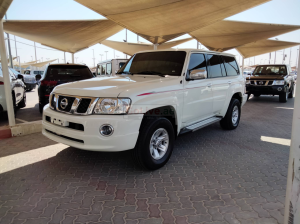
[[191, 101], [17, 88]]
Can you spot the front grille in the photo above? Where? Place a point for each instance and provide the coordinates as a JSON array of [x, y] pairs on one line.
[[83, 105], [252, 83], [76, 105], [261, 83], [65, 137], [70, 101], [270, 83]]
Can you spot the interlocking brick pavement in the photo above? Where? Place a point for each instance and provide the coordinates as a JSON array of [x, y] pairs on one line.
[[213, 177]]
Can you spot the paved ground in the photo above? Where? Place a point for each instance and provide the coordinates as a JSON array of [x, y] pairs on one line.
[[214, 176], [27, 114]]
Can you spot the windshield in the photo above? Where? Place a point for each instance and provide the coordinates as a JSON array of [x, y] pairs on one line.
[[27, 72], [270, 70], [155, 63], [14, 71], [68, 73]]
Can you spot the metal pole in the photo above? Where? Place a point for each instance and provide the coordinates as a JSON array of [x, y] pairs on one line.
[[72, 58], [9, 49], [137, 37], [270, 58], [65, 57], [16, 49], [126, 42], [243, 61], [197, 45], [283, 57], [293, 178], [6, 79], [155, 46], [275, 58], [106, 54], [94, 57], [290, 56], [35, 51]]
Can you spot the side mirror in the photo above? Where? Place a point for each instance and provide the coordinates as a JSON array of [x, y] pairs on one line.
[[198, 74], [20, 76], [38, 77]]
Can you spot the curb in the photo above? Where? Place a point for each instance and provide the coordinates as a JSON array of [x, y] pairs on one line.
[[20, 129], [5, 132]]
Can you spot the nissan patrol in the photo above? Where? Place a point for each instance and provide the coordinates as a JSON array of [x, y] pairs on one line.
[[271, 80], [156, 96]]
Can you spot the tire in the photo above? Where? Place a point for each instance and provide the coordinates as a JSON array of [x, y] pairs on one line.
[[283, 97], [28, 90], [22, 103], [291, 94], [256, 95], [14, 104], [249, 94], [41, 107], [150, 127], [228, 123]]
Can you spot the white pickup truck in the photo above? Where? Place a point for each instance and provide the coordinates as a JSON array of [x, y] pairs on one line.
[[156, 96]]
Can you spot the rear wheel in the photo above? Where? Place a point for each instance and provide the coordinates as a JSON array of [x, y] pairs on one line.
[[22, 103], [41, 107], [257, 95], [291, 94], [232, 117], [283, 97], [155, 143]]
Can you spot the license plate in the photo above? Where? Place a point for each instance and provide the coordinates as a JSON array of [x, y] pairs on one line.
[[60, 122]]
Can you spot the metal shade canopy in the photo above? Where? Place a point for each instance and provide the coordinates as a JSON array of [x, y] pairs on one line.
[[263, 47], [159, 21], [70, 36], [4, 5], [39, 64], [225, 35], [132, 48]]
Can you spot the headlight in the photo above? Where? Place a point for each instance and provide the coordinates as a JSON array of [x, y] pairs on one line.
[[247, 81], [278, 82], [112, 106]]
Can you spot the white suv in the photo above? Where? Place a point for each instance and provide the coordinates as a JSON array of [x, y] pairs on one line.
[[155, 96]]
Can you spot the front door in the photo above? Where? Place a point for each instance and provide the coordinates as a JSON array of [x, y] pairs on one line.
[[198, 101]]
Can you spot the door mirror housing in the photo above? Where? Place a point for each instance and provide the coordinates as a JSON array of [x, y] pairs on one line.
[[197, 74], [38, 77]]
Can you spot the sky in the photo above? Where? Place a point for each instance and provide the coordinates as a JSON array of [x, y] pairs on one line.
[[275, 11]]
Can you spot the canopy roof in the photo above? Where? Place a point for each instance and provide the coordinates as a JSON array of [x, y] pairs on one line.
[[263, 47], [132, 48], [9, 60], [159, 21], [4, 5], [70, 36], [40, 64], [225, 35]]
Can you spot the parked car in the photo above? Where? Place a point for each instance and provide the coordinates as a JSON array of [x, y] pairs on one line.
[[34, 72], [110, 67], [17, 90], [156, 96], [272, 80], [57, 74], [28, 80]]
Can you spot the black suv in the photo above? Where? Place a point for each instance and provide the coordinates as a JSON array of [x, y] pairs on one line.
[[271, 80], [57, 74]]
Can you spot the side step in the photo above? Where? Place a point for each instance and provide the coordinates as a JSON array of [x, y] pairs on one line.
[[201, 124]]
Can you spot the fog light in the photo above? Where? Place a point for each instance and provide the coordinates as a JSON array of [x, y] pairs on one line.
[[106, 130], [279, 89]]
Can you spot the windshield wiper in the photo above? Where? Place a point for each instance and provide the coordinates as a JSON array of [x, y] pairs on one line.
[[152, 73], [129, 73]]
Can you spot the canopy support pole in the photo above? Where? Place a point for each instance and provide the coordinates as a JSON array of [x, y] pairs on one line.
[[73, 58], [6, 79], [243, 61], [293, 178], [65, 57], [155, 46]]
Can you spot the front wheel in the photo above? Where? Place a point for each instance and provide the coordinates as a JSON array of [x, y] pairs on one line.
[[257, 95], [155, 143], [291, 94], [41, 107], [283, 97], [233, 115], [22, 104]]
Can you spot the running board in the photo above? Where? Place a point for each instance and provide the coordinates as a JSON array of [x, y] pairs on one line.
[[201, 124]]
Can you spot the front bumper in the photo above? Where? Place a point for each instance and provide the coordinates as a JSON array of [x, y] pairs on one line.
[[265, 90], [126, 131]]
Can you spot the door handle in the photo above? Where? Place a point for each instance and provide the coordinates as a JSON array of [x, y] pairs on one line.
[[209, 85]]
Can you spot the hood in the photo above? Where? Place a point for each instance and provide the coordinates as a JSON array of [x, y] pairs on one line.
[[266, 77], [114, 86]]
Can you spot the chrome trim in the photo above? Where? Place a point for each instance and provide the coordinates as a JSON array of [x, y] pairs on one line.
[[75, 104], [257, 81]]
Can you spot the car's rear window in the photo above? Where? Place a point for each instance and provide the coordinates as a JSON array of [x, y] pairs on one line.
[[68, 73]]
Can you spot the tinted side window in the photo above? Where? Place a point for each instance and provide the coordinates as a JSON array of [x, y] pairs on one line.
[[214, 67], [99, 70], [231, 66], [103, 68], [197, 61]]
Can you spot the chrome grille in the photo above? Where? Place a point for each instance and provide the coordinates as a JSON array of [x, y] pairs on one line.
[[261, 82], [76, 105]]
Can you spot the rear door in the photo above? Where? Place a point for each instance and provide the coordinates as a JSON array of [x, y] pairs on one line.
[[220, 82], [198, 93]]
